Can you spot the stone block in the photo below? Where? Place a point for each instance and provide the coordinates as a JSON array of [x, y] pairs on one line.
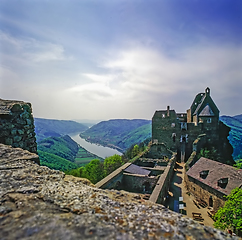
[[16, 108], [21, 132], [14, 131], [9, 141], [17, 139], [29, 122]]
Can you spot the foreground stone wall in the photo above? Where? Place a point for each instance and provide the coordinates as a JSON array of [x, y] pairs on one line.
[[39, 203], [17, 125]]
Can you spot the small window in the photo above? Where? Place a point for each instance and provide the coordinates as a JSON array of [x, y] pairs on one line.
[[223, 182], [209, 120], [204, 174]]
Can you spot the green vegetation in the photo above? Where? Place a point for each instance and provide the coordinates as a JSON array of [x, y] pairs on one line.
[[121, 133], [112, 163], [63, 153], [230, 216], [235, 135], [238, 164], [96, 170], [45, 128], [83, 157], [136, 149], [63, 147], [55, 162], [210, 153]]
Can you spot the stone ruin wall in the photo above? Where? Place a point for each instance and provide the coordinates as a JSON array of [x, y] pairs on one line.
[[17, 125]]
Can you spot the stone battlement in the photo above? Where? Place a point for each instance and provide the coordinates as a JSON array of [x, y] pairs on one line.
[[17, 125]]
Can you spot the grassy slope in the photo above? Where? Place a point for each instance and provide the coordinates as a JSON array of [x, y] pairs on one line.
[[119, 132], [55, 162], [55, 128], [235, 135]]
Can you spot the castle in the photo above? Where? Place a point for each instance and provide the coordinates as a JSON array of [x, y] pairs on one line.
[[178, 131], [177, 137]]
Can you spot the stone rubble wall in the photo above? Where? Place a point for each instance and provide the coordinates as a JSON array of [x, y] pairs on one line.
[[17, 125], [162, 186], [39, 203]]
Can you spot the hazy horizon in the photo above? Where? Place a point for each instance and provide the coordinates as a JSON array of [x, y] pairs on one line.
[[120, 59]]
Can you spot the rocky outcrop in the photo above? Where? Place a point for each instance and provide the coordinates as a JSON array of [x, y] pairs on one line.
[[17, 125], [39, 203]]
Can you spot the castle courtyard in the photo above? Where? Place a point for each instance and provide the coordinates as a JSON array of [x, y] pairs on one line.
[[178, 190]]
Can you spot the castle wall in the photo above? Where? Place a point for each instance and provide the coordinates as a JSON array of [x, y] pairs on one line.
[[136, 183], [114, 179], [17, 125], [162, 186], [204, 192]]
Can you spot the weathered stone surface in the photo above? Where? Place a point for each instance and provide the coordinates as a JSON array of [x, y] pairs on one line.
[[40, 203], [16, 122]]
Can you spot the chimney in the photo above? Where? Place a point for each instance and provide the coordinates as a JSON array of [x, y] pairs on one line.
[[168, 111]]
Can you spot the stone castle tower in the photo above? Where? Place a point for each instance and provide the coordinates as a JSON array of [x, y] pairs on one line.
[[178, 131]]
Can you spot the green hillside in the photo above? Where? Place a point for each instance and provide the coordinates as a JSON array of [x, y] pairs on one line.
[[121, 133], [235, 135], [63, 147], [63, 153], [55, 162], [45, 128]]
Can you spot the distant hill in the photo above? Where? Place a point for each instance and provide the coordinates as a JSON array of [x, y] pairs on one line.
[[121, 133], [235, 135], [55, 128], [238, 117]]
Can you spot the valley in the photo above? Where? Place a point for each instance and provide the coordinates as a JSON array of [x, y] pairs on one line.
[[103, 139]]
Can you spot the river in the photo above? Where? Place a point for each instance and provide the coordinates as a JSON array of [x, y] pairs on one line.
[[98, 150]]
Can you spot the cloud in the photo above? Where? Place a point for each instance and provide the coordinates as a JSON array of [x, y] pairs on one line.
[[149, 78], [30, 49], [151, 70]]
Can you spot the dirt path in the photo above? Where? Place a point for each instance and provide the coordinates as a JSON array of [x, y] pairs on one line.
[[177, 189]]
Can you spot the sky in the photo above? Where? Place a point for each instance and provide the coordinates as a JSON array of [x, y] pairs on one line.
[[111, 59]]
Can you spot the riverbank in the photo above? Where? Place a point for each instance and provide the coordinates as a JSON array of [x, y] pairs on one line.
[[97, 149], [102, 143]]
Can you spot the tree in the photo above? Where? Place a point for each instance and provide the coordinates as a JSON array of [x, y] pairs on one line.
[[112, 163], [135, 150], [210, 153], [93, 171], [238, 164], [230, 215]]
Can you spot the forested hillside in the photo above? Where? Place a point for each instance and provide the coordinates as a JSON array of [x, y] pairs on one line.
[[235, 135], [63, 153], [55, 128], [63, 147], [121, 133]]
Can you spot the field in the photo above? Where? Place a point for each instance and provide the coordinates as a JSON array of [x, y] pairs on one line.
[[83, 157]]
